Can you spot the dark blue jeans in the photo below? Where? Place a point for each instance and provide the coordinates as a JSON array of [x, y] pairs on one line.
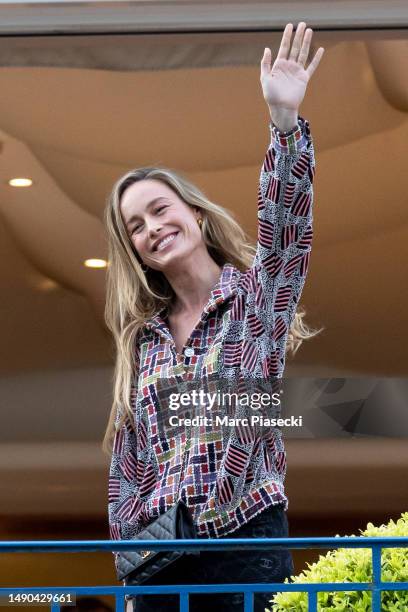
[[214, 567]]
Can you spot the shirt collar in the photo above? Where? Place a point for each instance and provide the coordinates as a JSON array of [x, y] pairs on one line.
[[225, 287]]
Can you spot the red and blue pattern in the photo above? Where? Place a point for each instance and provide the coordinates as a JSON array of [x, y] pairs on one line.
[[224, 479]]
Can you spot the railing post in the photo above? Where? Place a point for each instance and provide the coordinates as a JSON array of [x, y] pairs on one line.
[[376, 594], [248, 601], [184, 602], [312, 602]]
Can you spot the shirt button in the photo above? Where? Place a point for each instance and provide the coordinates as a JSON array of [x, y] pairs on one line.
[[189, 352]]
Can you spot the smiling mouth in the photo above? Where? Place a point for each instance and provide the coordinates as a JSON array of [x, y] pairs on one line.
[[165, 242]]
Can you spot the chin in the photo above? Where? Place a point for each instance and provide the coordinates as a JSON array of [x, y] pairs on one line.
[[174, 260]]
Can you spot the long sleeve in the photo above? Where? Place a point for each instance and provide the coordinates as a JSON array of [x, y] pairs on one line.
[[123, 475], [122, 478], [273, 285]]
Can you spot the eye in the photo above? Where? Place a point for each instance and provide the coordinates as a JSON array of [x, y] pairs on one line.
[[139, 226]]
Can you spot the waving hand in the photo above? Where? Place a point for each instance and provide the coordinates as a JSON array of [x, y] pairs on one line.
[[284, 83]]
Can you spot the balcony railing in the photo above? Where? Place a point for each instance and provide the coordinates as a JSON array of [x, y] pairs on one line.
[[47, 593]]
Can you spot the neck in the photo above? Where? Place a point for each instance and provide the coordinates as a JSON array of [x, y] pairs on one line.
[[192, 281]]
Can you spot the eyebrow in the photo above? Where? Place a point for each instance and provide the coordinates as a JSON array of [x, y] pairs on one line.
[[149, 205]]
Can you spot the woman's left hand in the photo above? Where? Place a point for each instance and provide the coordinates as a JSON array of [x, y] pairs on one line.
[[284, 84]]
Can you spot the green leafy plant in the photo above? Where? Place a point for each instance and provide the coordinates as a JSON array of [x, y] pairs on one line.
[[353, 565]]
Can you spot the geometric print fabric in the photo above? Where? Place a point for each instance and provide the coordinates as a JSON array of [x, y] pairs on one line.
[[225, 480]]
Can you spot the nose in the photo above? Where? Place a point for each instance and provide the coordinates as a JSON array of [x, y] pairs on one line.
[[153, 232], [153, 229]]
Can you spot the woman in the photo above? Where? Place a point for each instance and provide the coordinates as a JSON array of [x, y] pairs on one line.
[[189, 297]]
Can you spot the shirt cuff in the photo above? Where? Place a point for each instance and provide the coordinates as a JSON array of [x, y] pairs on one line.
[[291, 142]]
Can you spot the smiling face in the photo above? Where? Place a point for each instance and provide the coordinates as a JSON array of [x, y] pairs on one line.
[[161, 226]]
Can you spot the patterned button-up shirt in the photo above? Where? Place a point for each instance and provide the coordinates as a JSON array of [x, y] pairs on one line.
[[243, 329]]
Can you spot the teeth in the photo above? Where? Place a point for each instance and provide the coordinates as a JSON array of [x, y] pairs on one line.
[[164, 242]]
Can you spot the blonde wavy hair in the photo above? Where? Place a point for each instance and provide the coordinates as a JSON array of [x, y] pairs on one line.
[[133, 296]]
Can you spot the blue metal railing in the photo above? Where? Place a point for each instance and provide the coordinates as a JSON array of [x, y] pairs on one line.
[[312, 589]]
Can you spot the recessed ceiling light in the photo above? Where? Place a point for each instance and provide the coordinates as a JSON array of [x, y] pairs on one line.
[[20, 182], [95, 263]]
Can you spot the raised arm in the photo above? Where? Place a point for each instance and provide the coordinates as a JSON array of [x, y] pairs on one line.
[[285, 231], [274, 283]]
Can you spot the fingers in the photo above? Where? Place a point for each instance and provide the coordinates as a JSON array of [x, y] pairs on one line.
[[298, 52], [297, 41], [304, 51], [266, 62], [315, 61], [285, 43]]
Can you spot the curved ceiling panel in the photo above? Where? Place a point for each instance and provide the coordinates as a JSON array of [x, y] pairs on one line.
[[76, 130]]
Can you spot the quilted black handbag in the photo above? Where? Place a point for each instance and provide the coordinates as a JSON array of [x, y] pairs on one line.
[[136, 567]]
